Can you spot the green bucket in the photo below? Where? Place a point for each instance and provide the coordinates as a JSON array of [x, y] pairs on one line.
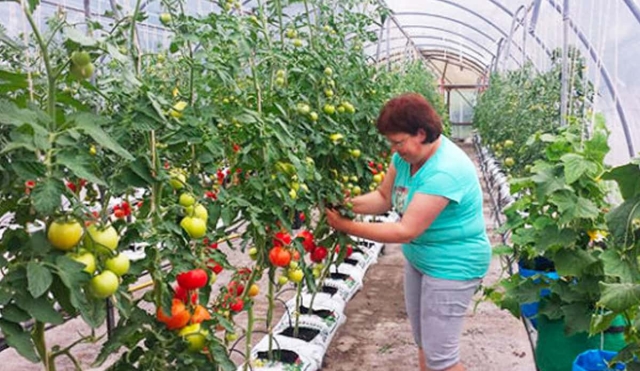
[[556, 352]]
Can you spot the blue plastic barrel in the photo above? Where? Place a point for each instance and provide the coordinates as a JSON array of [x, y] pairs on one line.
[[530, 310], [595, 360]]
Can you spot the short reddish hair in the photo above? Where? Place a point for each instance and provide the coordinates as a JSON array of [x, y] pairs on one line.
[[408, 113]]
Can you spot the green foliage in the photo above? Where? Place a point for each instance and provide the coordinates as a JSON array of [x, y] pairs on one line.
[[523, 102], [225, 114]]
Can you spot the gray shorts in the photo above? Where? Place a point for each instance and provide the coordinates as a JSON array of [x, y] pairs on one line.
[[436, 310]]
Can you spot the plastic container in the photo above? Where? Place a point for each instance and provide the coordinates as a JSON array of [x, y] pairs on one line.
[[596, 360]]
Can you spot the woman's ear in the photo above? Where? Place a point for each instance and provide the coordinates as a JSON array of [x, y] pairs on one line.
[[422, 135]]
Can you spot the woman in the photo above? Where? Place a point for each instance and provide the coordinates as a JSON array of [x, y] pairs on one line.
[[434, 187]]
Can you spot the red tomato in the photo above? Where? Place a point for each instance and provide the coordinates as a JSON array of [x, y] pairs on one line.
[[349, 250], [318, 254], [295, 255], [180, 293], [307, 240], [279, 256], [217, 268], [118, 213], [237, 305], [282, 239], [179, 315], [235, 288], [200, 314], [302, 217], [193, 279]]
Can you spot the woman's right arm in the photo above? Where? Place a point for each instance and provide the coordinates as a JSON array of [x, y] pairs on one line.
[[378, 201]]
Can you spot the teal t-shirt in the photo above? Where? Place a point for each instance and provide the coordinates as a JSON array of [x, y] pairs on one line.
[[455, 246]]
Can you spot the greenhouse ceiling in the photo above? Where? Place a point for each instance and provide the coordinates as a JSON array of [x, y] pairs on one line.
[[461, 41]]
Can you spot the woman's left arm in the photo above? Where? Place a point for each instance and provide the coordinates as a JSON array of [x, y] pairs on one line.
[[420, 213]]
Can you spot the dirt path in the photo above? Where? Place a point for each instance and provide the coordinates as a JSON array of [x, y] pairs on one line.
[[376, 335]]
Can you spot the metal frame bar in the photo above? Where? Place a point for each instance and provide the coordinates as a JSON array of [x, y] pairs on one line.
[[452, 33], [475, 64], [445, 40], [634, 8]]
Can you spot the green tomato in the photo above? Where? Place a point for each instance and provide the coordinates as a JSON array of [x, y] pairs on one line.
[[86, 258], [328, 71], [106, 237], [64, 235], [303, 108], [201, 212], [296, 275], [282, 280], [104, 285], [187, 199], [355, 153], [329, 109], [177, 180], [509, 161], [297, 43], [195, 227], [80, 58], [82, 72], [195, 336], [313, 116], [356, 191], [291, 33], [165, 18], [119, 264]]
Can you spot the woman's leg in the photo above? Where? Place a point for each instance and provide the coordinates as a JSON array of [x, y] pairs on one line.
[[412, 298], [443, 307]]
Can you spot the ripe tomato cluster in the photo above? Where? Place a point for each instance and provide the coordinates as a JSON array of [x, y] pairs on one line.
[[186, 314]]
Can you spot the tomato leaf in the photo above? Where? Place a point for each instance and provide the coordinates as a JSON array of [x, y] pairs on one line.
[[71, 275], [95, 313], [78, 36], [91, 124], [220, 355], [46, 196], [39, 278], [10, 114], [41, 309], [79, 166], [5, 295], [18, 339], [63, 296], [15, 314]]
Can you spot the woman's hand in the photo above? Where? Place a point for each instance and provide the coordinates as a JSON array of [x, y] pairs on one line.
[[335, 220]]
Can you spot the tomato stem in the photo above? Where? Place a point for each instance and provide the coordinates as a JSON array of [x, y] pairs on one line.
[[134, 39], [306, 8], [297, 311], [280, 28], [41, 346], [271, 299], [249, 332]]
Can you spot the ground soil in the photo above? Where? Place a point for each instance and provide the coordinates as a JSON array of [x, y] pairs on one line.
[[376, 335]]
